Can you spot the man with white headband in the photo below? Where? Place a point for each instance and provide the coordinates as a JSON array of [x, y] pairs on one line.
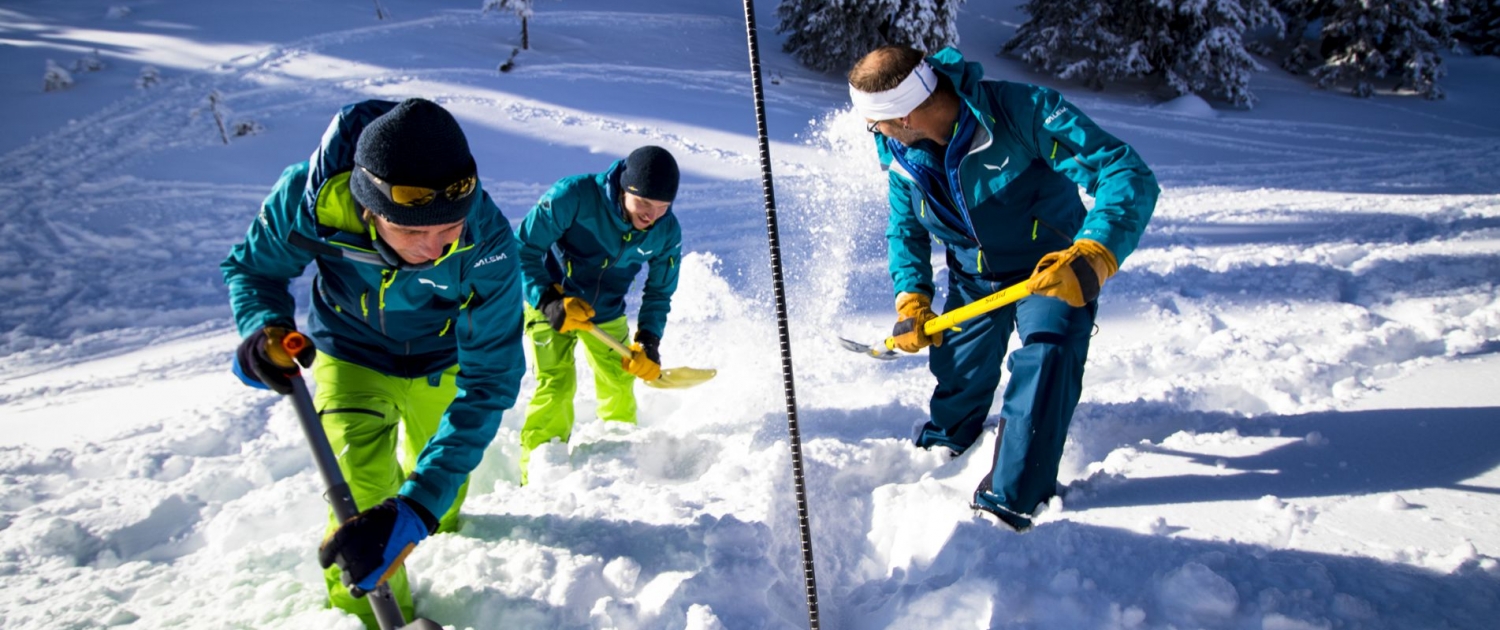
[[991, 170]]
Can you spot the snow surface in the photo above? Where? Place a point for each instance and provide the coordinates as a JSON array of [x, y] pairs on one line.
[[1289, 420]]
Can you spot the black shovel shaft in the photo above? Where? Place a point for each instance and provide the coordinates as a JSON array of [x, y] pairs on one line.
[[387, 612], [794, 432], [328, 465]]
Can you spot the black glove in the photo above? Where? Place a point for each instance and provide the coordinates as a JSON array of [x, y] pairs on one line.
[[650, 344], [372, 545], [262, 361]]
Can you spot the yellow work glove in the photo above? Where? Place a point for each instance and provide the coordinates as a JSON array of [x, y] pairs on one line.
[[565, 314], [645, 358], [914, 310], [1074, 275]]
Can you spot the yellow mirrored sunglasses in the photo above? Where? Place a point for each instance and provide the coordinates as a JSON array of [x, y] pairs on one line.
[[413, 196]]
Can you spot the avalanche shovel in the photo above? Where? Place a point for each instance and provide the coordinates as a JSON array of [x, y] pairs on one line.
[[387, 612], [671, 378], [887, 351]]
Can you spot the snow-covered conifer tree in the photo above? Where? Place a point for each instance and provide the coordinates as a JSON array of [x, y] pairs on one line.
[[1194, 46], [1480, 27], [149, 77], [56, 78], [522, 9], [830, 35], [91, 62], [1358, 42]]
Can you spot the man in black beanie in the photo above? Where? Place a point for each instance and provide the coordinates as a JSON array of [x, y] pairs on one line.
[[582, 246], [416, 276]]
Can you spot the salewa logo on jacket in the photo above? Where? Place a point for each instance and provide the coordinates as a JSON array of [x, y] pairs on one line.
[[487, 261], [998, 168], [432, 284], [644, 252]]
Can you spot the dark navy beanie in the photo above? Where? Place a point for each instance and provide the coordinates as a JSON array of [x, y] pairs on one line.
[[650, 172], [418, 143]]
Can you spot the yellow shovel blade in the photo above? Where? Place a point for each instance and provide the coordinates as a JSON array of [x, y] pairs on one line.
[[671, 378], [682, 378]]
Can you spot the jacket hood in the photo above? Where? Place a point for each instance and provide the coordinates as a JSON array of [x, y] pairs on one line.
[[964, 76], [335, 154], [609, 184]]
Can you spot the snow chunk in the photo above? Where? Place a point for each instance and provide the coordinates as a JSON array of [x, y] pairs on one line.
[[64, 538], [1065, 582], [1394, 503], [1197, 594], [700, 617], [654, 594], [1129, 617], [622, 573], [1189, 105], [1316, 439], [1464, 553], [1153, 526], [1277, 621], [1351, 607], [1270, 504], [549, 464]]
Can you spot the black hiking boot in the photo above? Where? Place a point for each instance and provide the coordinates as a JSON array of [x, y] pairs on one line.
[[987, 505]]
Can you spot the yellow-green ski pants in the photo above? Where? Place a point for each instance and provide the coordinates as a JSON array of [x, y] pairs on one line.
[[377, 425], [550, 413]]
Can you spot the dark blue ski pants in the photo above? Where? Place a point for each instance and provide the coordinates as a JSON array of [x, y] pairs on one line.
[[1046, 379]]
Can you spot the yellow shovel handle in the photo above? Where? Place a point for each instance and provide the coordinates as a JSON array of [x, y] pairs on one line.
[[613, 343], [969, 311]]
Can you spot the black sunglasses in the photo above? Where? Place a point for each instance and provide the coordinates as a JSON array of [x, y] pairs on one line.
[[413, 196]]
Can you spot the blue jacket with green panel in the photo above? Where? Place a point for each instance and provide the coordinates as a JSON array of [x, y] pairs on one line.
[[577, 236], [370, 308], [1017, 158]]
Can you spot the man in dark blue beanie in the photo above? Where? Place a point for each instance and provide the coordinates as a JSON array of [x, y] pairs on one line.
[[582, 246], [416, 273], [650, 172], [416, 149]]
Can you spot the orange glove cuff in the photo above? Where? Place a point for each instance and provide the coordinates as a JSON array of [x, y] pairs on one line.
[[1099, 257], [913, 304]]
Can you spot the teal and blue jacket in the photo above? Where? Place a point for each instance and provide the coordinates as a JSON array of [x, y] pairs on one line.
[[577, 236], [1004, 192], [370, 308]]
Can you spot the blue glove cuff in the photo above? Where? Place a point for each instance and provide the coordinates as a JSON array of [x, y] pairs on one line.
[[406, 532], [248, 379]]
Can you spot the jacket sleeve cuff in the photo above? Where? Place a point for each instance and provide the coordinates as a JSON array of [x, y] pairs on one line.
[[428, 520], [423, 502]]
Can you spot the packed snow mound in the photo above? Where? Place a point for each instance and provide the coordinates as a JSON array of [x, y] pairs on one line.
[[1189, 105]]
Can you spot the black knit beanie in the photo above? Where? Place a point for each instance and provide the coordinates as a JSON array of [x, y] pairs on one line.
[[650, 172], [416, 144]]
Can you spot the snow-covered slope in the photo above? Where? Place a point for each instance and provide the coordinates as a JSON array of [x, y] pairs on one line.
[[1288, 422]]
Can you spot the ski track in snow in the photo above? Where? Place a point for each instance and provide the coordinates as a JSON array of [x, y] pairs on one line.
[[1372, 267]]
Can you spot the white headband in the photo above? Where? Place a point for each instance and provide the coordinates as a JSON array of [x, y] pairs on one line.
[[898, 101]]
